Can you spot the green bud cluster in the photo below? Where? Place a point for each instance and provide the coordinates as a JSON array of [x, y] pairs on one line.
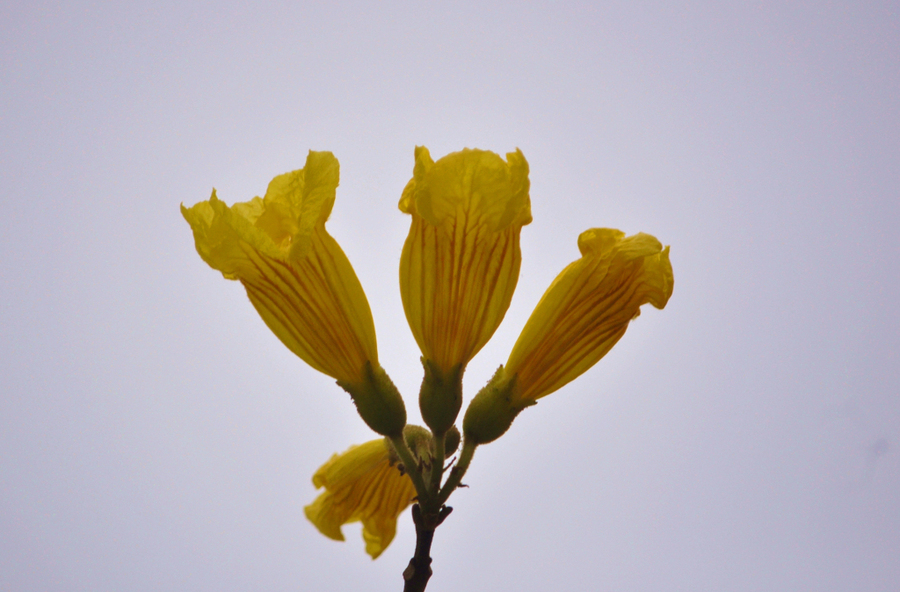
[[420, 442]]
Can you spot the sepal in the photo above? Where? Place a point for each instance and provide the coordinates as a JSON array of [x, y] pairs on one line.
[[440, 397], [378, 401], [493, 409]]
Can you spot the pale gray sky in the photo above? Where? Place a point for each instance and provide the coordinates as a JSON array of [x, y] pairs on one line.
[[154, 435]]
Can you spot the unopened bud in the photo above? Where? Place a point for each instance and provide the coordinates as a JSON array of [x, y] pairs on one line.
[[451, 440]]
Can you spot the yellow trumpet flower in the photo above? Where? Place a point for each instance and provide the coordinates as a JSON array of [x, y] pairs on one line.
[[460, 262], [363, 485], [587, 308], [580, 317], [301, 282]]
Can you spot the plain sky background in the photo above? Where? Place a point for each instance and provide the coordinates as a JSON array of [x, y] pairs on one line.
[[154, 435]]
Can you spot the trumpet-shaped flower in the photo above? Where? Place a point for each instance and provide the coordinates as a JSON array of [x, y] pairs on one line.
[[580, 317], [364, 484], [587, 308], [460, 262], [300, 281]]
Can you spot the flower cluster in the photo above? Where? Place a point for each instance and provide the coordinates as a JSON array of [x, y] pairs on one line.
[[458, 272]]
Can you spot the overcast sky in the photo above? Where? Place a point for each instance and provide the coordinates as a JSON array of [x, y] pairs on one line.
[[154, 434]]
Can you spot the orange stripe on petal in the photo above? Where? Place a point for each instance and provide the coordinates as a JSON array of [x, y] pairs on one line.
[[309, 307]]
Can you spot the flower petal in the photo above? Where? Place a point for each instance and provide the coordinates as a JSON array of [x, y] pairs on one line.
[[361, 485], [460, 262], [587, 308], [295, 273]]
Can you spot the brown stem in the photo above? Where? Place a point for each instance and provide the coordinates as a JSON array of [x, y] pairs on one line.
[[417, 573]]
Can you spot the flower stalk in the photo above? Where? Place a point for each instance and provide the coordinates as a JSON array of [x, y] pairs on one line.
[[431, 510], [418, 572], [410, 465], [425, 467], [437, 462]]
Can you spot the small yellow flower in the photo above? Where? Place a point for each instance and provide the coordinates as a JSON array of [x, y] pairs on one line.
[[301, 282], [361, 485], [580, 317], [460, 263]]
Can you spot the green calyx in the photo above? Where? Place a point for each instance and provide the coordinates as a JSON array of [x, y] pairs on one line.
[[492, 410], [378, 402], [440, 397]]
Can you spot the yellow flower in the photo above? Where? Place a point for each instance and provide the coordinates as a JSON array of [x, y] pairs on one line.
[[460, 262], [587, 308], [583, 313], [361, 485], [301, 282]]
